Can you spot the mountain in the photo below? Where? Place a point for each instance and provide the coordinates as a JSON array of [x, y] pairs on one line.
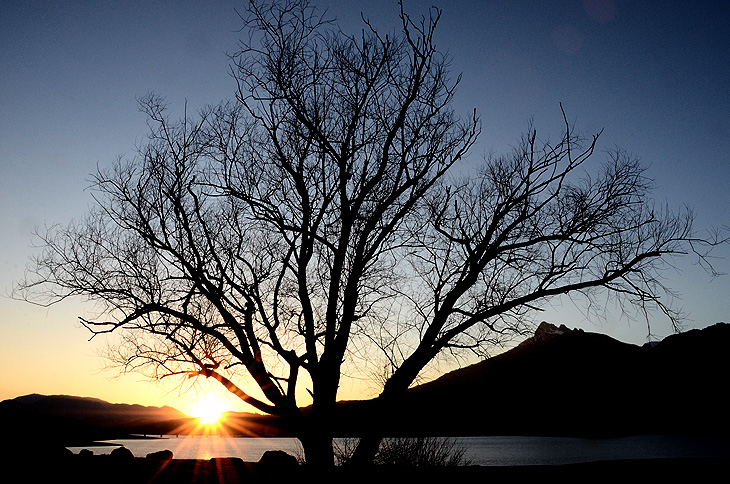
[[571, 382], [560, 381], [69, 420], [94, 411]]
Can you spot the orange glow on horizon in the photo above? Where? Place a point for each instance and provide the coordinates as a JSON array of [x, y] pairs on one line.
[[209, 411]]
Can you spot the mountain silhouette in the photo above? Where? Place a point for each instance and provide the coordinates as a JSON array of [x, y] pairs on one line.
[[570, 382], [95, 411], [560, 381], [69, 420]]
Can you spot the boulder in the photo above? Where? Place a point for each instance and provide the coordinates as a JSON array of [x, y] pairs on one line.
[[85, 453], [122, 453], [278, 459], [56, 453], [162, 455]]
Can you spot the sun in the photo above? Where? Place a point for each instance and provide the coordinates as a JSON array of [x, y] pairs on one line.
[[209, 411]]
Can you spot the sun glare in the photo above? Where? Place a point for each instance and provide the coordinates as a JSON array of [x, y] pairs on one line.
[[209, 411]]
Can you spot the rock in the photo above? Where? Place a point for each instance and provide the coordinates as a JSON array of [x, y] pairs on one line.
[[547, 330], [227, 461], [56, 453], [122, 453], [545, 333], [85, 453], [162, 455], [278, 459]]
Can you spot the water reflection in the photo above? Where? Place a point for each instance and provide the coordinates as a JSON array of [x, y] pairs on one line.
[[485, 451]]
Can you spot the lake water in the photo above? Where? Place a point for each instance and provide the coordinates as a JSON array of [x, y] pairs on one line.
[[485, 451]]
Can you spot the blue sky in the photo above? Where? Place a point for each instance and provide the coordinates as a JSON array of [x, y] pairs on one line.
[[655, 76]]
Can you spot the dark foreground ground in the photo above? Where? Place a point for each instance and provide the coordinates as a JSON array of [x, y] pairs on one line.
[[107, 469]]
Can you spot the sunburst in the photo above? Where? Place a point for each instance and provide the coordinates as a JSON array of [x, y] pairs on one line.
[[209, 411]]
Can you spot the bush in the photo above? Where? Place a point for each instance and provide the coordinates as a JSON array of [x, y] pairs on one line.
[[405, 451], [421, 452], [344, 448]]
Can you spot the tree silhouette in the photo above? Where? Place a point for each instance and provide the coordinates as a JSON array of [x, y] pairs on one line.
[[316, 226]]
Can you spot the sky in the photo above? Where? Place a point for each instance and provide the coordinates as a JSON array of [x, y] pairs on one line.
[[654, 76]]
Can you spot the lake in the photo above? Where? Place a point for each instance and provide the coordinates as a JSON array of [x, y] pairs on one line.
[[485, 451]]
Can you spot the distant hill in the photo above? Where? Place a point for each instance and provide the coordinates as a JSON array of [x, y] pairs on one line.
[[71, 420], [558, 382], [95, 411]]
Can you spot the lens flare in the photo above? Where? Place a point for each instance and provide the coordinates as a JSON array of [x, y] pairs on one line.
[[209, 411]]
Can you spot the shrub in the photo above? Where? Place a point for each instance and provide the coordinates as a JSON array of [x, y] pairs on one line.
[[421, 452]]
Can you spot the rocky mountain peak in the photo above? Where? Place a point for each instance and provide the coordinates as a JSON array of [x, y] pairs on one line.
[[546, 331]]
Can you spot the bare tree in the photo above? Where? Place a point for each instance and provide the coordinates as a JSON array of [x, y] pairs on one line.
[[272, 241], [493, 248]]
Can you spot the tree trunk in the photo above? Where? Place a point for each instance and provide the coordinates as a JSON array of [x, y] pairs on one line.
[[318, 451], [317, 431], [369, 442], [366, 450], [387, 402]]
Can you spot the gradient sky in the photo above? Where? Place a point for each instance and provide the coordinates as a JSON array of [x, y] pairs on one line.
[[654, 75]]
